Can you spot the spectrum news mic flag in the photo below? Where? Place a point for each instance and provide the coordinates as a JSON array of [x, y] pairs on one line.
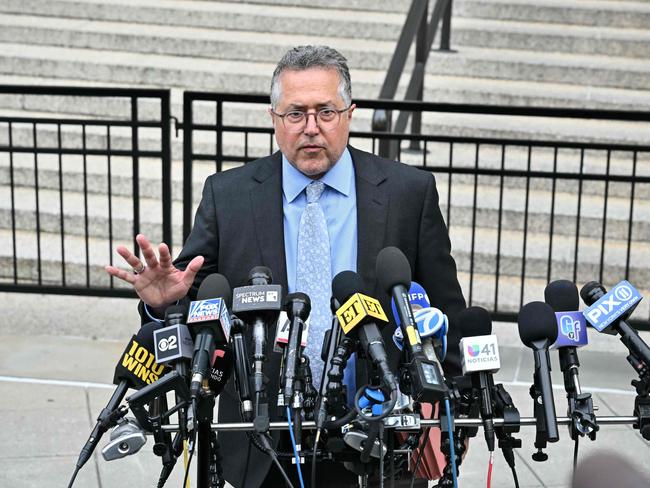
[[136, 368]]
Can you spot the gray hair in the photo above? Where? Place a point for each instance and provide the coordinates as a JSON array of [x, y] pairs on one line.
[[302, 58]]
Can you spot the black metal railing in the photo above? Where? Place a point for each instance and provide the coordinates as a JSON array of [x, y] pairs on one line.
[[75, 186], [521, 212], [415, 28]]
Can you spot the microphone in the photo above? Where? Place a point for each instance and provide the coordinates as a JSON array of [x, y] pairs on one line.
[[562, 296], [242, 368], [394, 276], [298, 307], [135, 369], [608, 311], [222, 365], [259, 304], [173, 343], [208, 315], [479, 352], [538, 330], [356, 317]]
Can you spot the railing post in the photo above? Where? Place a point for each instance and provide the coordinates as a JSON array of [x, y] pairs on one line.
[[382, 122], [187, 165], [445, 34], [420, 58]]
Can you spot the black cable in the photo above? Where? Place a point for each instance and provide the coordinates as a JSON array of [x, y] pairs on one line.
[[575, 453], [187, 468], [274, 457], [514, 476], [421, 448], [74, 476], [313, 460]]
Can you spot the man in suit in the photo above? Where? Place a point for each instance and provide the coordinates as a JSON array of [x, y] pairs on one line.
[[307, 212]]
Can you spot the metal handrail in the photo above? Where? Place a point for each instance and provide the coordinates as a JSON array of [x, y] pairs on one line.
[[415, 26]]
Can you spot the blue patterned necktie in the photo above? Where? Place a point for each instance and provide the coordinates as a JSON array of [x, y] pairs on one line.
[[314, 274]]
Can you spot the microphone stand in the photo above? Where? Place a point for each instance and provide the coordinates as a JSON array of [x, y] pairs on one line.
[[541, 435], [581, 407]]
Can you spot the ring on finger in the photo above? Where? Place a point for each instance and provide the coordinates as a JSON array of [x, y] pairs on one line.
[[139, 269]]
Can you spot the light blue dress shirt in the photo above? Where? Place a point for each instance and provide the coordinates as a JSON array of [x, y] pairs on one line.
[[339, 204]]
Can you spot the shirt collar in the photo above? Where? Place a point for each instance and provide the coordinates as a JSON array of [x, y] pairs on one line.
[[339, 177]]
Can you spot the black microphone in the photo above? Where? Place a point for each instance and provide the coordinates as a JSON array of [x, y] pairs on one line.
[[479, 352], [135, 369], [209, 317], [259, 305], [298, 307], [562, 296], [222, 366], [174, 344], [538, 330], [357, 318], [242, 368], [394, 276]]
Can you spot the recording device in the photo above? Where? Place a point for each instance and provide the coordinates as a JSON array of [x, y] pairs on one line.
[[562, 296], [479, 351], [259, 305], [208, 317], [357, 317], [135, 369], [425, 376], [298, 307], [126, 439], [608, 311], [538, 330]]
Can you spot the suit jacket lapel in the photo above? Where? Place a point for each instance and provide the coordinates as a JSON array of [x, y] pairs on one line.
[[266, 199], [372, 213]]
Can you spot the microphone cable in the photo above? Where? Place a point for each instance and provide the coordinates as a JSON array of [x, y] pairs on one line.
[[295, 448], [421, 447], [191, 445], [452, 449], [489, 473]]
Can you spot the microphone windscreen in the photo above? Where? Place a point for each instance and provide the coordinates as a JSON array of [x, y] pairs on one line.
[[215, 285], [297, 305], [591, 292], [393, 269], [562, 296], [474, 321], [176, 312], [144, 335], [260, 275], [223, 363], [345, 284], [537, 322]]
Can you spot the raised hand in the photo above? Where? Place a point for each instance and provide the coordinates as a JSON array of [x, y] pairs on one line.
[[158, 283]]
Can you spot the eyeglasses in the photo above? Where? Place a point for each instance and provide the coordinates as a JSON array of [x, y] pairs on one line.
[[326, 118]]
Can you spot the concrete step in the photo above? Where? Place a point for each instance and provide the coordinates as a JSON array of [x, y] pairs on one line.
[[604, 71], [400, 6], [91, 212], [588, 12], [445, 89], [270, 18], [550, 37], [220, 43]]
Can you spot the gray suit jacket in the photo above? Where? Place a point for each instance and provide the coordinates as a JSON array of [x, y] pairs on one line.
[[239, 225]]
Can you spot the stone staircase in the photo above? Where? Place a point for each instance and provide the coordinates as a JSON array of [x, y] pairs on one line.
[[580, 54]]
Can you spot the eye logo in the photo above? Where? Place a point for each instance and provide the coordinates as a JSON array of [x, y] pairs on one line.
[[473, 350]]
